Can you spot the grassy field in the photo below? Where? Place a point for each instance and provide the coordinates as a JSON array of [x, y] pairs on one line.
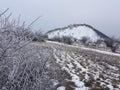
[[85, 69]]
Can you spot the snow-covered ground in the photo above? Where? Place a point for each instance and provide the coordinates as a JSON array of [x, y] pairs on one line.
[[85, 48], [61, 88], [86, 72], [77, 33], [68, 63]]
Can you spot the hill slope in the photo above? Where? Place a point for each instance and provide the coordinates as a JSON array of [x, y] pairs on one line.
[[87, 69], [79, 31]]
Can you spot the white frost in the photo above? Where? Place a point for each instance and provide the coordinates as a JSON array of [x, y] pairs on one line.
[[77, 32], [61, 88], [89, 49]]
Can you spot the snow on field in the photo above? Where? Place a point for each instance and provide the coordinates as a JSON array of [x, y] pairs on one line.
[[99, 51], [68, 64], [87, 73], [85, 48], [61, 88]]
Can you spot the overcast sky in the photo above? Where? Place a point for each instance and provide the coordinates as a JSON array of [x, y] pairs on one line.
[[104, 15]]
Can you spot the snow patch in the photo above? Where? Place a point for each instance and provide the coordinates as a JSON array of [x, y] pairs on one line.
[[85, 48], [70, 68], [61, 88], [77, 33], [82, 69]]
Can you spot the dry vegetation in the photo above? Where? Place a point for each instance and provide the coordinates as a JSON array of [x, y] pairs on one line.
[[93, 71], [29, 65], [24, 65]]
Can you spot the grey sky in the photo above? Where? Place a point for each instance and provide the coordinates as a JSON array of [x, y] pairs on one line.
[[101, 14]]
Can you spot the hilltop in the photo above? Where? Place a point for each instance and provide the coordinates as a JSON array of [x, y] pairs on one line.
[[78, 31], [81, 33]]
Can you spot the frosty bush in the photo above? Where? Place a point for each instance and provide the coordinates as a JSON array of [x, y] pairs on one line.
[[23, 65], [38, 36], [64, 39]]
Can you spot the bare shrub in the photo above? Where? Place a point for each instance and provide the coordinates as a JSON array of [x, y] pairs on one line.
[[112, 45], [116, 43], [29, 72], [58, 39], [23, 66], [13, 38], [84, 40], [67, 40], [64, 39], [99, 41], [38, 36]]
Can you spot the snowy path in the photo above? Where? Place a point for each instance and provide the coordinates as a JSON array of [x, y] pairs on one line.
[[85, 48]]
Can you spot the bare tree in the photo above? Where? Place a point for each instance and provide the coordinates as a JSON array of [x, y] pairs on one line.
[[63, 39], [39, 36]]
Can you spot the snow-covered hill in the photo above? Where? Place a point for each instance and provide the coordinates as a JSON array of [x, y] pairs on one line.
[[78, 31]]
